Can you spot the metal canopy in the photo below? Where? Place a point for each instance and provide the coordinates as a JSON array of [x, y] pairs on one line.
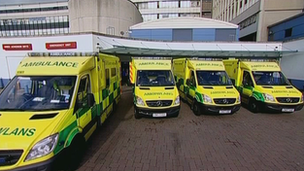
[[136, 47], [122, 50]]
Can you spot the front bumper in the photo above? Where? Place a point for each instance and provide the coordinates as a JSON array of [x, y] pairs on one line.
[[47, 165], [219, 109], [171, 111], [280, 107]]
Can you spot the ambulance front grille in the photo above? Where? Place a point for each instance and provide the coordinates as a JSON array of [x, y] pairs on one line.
[[9, 157], [288, 99], [224, 101], [159, 103]]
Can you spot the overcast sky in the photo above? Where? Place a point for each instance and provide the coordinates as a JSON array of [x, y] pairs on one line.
[[15, 2]]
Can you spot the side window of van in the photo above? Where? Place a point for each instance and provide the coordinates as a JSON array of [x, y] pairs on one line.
[[84, 89], [107, 78], [247, 81], [192, 78], [113, 72]]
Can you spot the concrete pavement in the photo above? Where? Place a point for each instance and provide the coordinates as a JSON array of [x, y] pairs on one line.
[[239, 142]]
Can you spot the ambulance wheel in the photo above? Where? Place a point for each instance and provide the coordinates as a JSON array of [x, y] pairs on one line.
[[253, 106], [114, 107], [76, 152], [136, 114], [196, 108], [183, 99]]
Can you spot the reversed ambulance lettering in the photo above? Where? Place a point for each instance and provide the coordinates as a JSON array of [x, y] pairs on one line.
[[222, 92], [153, 63], [158, 94], [264, 66], [208, 64], [18, 131]]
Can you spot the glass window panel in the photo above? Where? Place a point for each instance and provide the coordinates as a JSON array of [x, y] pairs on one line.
[[152, 5], [65, 18], [185, 4], [168, 4], [56, 19], [60, 19]]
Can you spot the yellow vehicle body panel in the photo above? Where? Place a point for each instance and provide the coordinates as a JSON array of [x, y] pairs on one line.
[[282, 98], [195, 93], [142, 64], [260, 66], [55, 65], [166, 95], [21, 130]]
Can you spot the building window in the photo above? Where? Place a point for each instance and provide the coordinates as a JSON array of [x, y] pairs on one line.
[[288, 32], [168, 4], [34, 26]]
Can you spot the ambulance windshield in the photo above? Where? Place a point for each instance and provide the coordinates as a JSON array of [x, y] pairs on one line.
[[213, 78], [154, 78], [37, 93], [269, 78]]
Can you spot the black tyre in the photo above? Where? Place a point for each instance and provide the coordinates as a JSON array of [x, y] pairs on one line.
[[114, 107], [75, 153], [196, 108], [175, 115], [253, 106], [136, 114]]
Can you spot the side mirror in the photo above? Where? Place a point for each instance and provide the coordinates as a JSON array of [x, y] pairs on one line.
[[91, 99]]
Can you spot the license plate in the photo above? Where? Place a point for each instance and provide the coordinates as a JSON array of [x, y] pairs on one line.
[[224, 111], [159, 114], [287, 110]]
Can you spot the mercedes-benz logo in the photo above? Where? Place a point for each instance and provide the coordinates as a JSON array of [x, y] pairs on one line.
[[225, 101], [288, 100], [159, 103]]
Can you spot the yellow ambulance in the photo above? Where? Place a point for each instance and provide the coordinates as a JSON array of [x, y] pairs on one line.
[[53, 105], [205, 85], [155, 93], [263, 86]]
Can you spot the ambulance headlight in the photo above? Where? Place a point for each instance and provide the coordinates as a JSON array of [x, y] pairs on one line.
[[207, 99], [140, 101], [43, 147], [302, 97], [177, 101], [268, 97], [238, 99]]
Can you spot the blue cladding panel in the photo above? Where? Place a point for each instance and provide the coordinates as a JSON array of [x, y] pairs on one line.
[[161, 34], [297, 25], [203, 34], [225, 34], [144, 34], [152, 34], [299, 84]]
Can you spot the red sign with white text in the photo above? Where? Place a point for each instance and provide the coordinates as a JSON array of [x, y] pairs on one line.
[[61, 45], [17, 47]]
